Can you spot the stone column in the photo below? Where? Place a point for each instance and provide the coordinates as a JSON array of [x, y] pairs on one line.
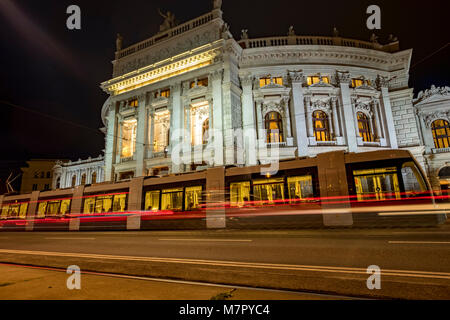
[[141, 137], [151, 133], [217, 113], [287, 120], [309, 123], [337, 128], [349, 115], [259, 118], [248, 120], [111, 142], [383, 84], [177, 118], [377, 120]]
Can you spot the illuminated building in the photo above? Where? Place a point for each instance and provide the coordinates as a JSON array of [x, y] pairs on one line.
[[432, 107]]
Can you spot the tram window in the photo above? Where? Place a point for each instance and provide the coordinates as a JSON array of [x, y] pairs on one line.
[[193, 197], [172, 199], [269, 190], [65, 207], [379, 184], [300, 187], [120, 203], [412, 179], [5, 210], [41, 209], [23, 210], [152, 200], [14, 210], [240, 193], [53, 208], [103, 204], [89, 205]]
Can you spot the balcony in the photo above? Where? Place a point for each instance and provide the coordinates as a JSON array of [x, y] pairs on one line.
[[442, 150]]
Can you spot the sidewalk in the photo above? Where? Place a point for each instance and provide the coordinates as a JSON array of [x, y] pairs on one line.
[[29, 283]]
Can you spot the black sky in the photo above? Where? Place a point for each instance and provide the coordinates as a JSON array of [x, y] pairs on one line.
[[54, 71]]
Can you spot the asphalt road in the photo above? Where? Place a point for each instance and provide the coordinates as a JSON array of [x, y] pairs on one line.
[[414, 263]]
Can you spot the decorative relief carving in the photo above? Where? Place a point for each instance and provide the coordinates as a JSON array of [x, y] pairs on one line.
[[297, 77], [429, 118], [343, 77], [382, 82], [216, 75], [434, 91]]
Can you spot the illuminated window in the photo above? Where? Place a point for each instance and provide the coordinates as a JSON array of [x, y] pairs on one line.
[[172, 199], [165, 93], [120, 203], [199, 114], [321, 128], [23, 210], [205, 131], [316, 79], [357, 83], [133, 103], [14, 211], [200, 82], [300, 187], [264, 81], [268, 80], [441, 134], [193, 198], [5, 210], [268, 190], [83, 179], [379, 184], [161, 131], [152, 200], [53, 208], [129, 138], [94, 178], [65, 207], [42, 209], [365, 131], [239, 193], [274, 127], [105, 204]]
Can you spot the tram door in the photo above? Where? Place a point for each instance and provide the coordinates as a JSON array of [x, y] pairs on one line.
[[377, 184]]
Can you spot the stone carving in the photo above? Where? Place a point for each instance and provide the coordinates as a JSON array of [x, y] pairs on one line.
[[217, 4], [432, 117], [119, 42], [434, 91], [244, 35], [335, 32], [343, 77], [225, 31], [382, 82], [392, 39], [374, 38], [291, 31], [297, 76], [364, 108], [321, 105], [169, 21]]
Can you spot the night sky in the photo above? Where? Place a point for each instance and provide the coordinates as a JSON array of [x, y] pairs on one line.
[[56, 72]]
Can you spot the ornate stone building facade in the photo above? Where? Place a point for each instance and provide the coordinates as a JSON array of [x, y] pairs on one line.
[[299, 95], [72, 174], [193, 97], [432, 109]]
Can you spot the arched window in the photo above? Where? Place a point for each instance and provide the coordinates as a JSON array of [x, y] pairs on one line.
[[94, 178], [205, 131], [321, 127], [364, 127], [274, 127], [74, 181], [83, 179], [441, 134]]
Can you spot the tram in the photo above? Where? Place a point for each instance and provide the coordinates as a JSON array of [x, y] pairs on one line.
[[373, 189]]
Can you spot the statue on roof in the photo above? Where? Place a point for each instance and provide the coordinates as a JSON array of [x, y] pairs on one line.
[[244, 35], [392, 38], [169, 21], [217, 4], [335, 32], [373, 38], [119, 42], [291, 31]]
